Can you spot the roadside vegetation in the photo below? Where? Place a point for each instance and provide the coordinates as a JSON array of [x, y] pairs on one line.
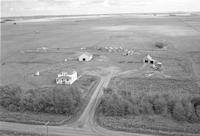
[[58, 100], [181, 109], [155, 104], [14, 133], [65, 101]]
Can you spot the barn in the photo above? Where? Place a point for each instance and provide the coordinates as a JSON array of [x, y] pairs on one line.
[[85, 56]]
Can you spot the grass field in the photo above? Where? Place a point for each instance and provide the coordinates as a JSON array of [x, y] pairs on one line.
[[152, 85], [64, 38], [22, 55]]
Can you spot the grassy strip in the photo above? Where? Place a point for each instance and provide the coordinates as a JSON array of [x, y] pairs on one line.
[[31, 118], [14, 133], [119, 125]]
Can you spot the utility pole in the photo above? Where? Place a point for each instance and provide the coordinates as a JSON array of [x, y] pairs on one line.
[[46, 124], [126, 92]]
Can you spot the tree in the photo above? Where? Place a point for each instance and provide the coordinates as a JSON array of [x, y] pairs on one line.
[[179, 112], [10, 97], [160, 105]]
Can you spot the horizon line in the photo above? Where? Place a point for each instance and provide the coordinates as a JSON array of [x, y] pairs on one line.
[[49, 15]]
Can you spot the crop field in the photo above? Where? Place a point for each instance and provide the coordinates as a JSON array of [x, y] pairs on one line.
[[150, 86]]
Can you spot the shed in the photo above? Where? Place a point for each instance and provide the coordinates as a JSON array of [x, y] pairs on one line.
[[85, 57], [36, 73]]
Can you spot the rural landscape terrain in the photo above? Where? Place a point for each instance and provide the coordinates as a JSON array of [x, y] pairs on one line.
[[137, 75]]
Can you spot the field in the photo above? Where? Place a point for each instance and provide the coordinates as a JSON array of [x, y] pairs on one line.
[[149, 86], [19, 43], [50, 47], [148, 105]]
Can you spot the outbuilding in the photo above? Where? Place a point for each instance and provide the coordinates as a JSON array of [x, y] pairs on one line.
[[148, 59], [154, 63], [85, 56]]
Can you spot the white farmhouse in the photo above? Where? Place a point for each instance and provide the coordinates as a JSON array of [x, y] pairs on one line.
[[68, 77], [85, 57]]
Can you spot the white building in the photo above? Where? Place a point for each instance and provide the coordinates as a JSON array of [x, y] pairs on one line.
[[148, 59], [85, 57], [155, 64], [68, 77]]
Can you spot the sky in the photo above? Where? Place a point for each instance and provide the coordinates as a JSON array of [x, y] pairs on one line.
[[72, 7]]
